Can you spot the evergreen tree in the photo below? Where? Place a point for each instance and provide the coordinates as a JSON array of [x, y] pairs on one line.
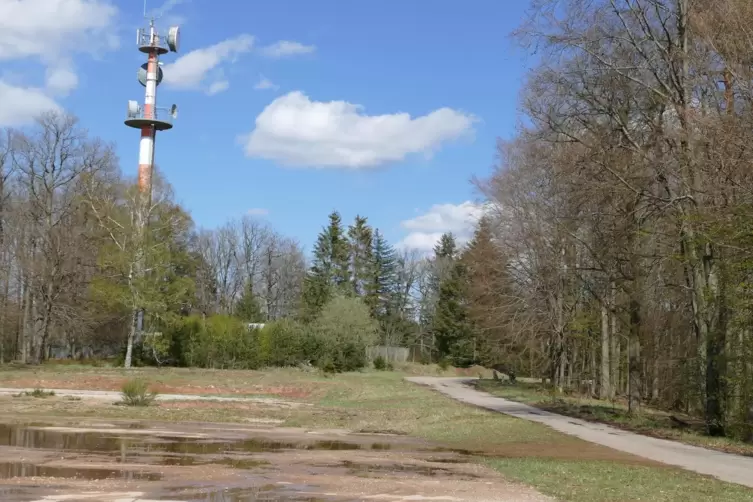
[[329, 271], [361, 255], [452, 326], [247, 308], [381, 290]]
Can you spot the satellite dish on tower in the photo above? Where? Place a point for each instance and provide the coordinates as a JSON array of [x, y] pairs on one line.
[[174, 111], [142, 74], [173, 38], [133, 108]]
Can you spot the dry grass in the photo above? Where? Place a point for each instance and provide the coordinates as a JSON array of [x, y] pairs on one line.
[[560, 465]]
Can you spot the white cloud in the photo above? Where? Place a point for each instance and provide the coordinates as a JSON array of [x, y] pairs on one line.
[[286, 48], [218, 87], [46, 28], [165, 8], [258, 211], [61, 80], [51, 31], [21, 105], [297, 131], [426, 229], [264, 83], [190, 71]]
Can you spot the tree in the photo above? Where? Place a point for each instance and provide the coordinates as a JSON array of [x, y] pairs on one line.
[[247, 307], [160, 291], [451, 324], [361, 255], [380, 292], [330, 271]]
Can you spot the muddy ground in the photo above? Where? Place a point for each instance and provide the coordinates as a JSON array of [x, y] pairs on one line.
[[72, 460]]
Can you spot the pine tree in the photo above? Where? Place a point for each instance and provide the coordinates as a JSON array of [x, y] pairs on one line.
[[329, 271], [382, 288], [361, 255], [247, 308], [452, 326]]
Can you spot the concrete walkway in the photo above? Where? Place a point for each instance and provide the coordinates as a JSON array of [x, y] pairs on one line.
[[725, 466]]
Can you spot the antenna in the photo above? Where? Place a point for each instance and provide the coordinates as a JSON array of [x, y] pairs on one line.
[[173, 38], [145, 8]]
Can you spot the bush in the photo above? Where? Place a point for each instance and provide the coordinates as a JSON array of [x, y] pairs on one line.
[[136, 393], [283, 343], [380, 364], [220, 342], [444, 364], [341, 334]]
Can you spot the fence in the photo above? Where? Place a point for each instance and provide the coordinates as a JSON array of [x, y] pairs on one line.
[[391, 354]]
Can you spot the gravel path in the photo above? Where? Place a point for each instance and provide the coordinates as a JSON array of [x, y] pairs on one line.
[[113, 396], [725, 466]]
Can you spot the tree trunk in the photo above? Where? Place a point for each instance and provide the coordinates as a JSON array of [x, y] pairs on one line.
[[131, 336], [605, 389]]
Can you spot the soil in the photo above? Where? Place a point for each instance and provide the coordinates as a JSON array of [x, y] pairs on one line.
[[109, 461]]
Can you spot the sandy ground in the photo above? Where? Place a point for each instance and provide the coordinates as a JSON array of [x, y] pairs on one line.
[[725, 466], [119, 461]]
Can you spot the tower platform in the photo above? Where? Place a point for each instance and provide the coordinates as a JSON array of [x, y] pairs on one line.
[[161, 119]]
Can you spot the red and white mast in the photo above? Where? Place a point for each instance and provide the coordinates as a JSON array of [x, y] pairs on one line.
[[149, 118]]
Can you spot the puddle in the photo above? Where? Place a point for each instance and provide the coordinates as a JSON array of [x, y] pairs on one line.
[[263, 493], [10, 470], [104, 442], [421, 470]]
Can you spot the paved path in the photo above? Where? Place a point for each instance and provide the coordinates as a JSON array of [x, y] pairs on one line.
[[725, 466]]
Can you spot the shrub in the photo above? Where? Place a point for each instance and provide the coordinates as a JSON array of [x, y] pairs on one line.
[[40, 393], [341, 334], [221, 342], [283, 343], [136, 392], [380, 364], [444, 364]]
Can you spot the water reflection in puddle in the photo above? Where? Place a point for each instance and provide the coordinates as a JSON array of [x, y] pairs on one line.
[[10, 470]]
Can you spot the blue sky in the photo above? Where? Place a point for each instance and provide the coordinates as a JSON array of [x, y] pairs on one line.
[[266, 92]]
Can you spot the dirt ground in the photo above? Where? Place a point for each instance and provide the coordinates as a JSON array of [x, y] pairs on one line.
[[118, 461]]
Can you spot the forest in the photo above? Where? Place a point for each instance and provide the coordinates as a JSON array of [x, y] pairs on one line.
[[613, 258]]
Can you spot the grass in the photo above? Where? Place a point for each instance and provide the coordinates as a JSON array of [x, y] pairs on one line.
[[136, 392], [380, 401], [648, 421]]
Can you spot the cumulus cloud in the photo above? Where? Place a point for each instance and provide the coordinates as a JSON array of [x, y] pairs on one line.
[[20, 105], [190, 71], [286, 48], [218, 87], [425, 230], [264, 83], [50, 31], [61, 80], [296, 131], [46, 28]]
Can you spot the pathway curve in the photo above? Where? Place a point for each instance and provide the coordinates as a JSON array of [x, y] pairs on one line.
[[725, 466]]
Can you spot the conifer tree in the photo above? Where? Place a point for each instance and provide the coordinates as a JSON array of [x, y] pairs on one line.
[[361, 255], [329, 271], [247, 308], [382, 286]]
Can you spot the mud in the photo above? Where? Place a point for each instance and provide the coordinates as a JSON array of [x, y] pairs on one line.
[[139, 462]]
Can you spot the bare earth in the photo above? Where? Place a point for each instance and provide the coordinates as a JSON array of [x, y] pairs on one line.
[[725, 466], [119, 461]]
